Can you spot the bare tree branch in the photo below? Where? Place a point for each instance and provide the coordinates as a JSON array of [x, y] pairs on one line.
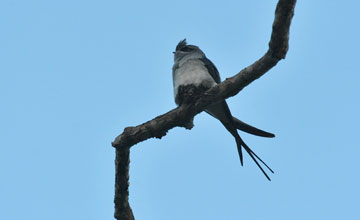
[[178, 117]]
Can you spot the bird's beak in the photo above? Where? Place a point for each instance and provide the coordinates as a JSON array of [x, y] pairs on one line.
[[173, 52]]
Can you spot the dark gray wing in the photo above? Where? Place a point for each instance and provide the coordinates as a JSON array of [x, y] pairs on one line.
[[251, 129], [211, 69]]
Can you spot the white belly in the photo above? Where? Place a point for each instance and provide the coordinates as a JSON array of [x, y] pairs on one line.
[[192, 72]]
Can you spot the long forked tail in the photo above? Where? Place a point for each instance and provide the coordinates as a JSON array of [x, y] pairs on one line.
[[240, 143], [222, 112]]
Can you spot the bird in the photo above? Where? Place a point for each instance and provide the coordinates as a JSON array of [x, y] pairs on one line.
[[193, 69]]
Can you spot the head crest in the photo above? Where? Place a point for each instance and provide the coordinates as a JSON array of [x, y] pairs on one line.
[[181, 44]]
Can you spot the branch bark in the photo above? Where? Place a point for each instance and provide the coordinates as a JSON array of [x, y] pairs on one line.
[[178, 117]]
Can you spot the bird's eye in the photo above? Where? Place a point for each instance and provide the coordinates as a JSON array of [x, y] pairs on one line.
[[186, 49]]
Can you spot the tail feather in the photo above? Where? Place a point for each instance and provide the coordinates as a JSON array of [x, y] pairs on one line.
[[253, 153], [240, 143], [257, 163]]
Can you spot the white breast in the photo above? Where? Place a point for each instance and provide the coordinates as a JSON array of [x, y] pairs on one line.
[[192, 72]]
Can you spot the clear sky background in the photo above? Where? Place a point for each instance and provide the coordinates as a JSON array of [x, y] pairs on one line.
[[74, 74]]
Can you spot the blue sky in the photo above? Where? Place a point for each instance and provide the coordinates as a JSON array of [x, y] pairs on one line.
[[74, 74]]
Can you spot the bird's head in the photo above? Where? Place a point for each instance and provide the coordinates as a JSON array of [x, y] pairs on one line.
[[183, 50]]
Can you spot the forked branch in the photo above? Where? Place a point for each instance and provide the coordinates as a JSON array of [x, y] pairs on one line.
[[178, 117]]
